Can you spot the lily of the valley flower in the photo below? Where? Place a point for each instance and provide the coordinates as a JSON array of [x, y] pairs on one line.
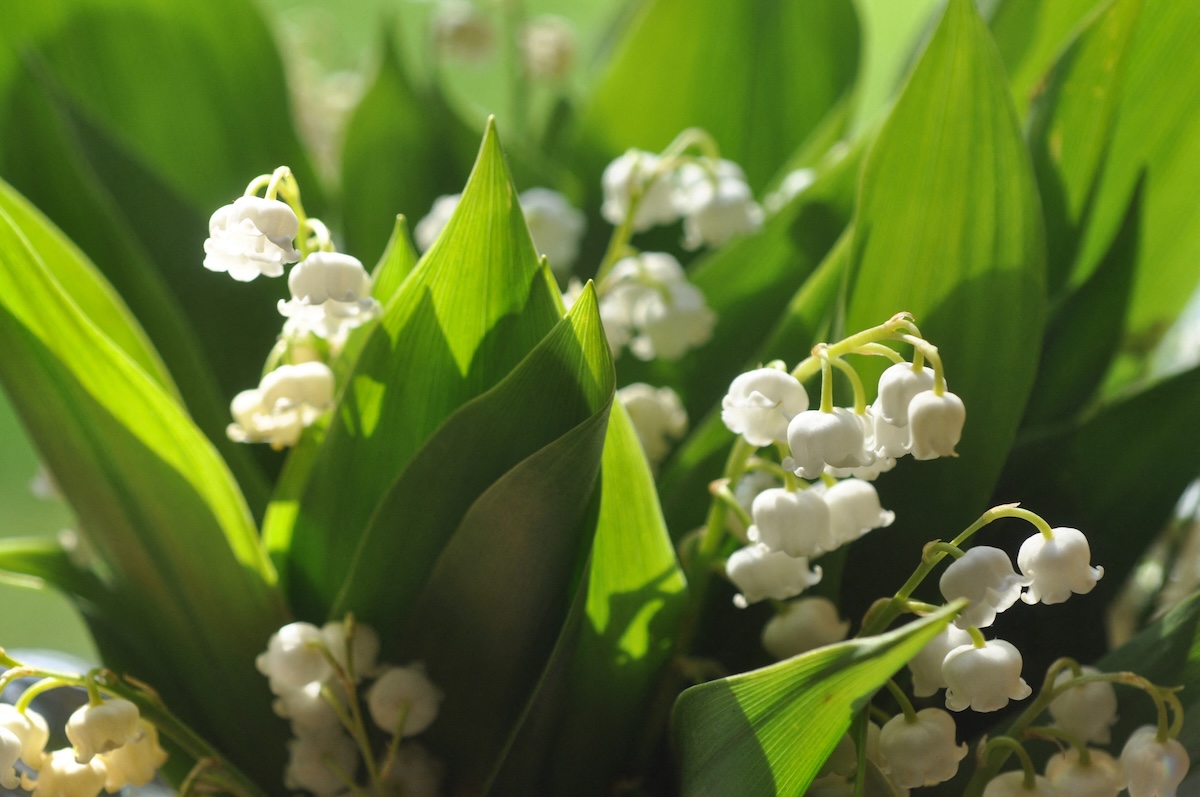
[[658, 417], [404, 690], [314, 764], [331, 294], [462, 31], [898, 385], [1102, 776], [921, 752], [1057, 566], [984, 678], [985, 577], [716, 204], [555, 226], [251, 237], [795, 522], [102, 728], [854, 510], [761, 403], [1153, 768], [547, 48], [1087, 711], [935, 424], [30, 727], [10, 753], [1012, 784], [834, 438], [62, 776], [294, 658], [286, 401], [664, 316], [926, 666], [135, 763], [637, 171], [803, 625], [431, 225], [761, 573]]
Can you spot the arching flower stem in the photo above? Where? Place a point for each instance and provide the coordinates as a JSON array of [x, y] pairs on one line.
[[1014, 746], [910, 714]]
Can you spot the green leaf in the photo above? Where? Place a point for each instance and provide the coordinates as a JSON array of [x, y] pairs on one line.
[[473, 307], [1071, 126], [153, 496], [403, 149], [949, 228], [738, 735], [719, 69], [396, 263]]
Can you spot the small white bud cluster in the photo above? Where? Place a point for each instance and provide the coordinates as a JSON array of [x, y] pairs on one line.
[[658, 417], [555, 225], [710, 195], [315, 674], [111, 747], [330, 296]]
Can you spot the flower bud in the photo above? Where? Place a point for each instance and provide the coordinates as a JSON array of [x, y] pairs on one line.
[[836, 438], [1012, 784], [760, 403], [985, 577], [1087, 711], [404, 691], [935, 423], [803, 625], [102, 728], [797, 523], [1153, 768], [1102, 777], [760, 574], [135, 763], [926, 666], [658, 417], [897, 387], [984, 679], [1057, 566], [921, 752]]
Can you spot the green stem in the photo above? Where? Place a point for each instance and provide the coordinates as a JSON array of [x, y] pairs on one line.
[[879, 350], [977, 638], [826, 384], [888, 330], [41, 687], [910, 714], [860, 393], [725, 495], [943, 547], [1013, 745], [1050, 732], [930, 352]]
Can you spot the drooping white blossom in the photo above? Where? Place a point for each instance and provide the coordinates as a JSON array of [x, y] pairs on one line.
[[793, 184], [462, 31], [898, 385], [637, 172], [854, 510], [926, 666], [836, 438], [1087, 711], [935, 424], [102, 728], [251, 237], [1058, 566], [1101, 777], [294, 658], [662, 315], [30, 728], [547, 48], [62, 776], [921, 752], [415, 772], [1012, 784], [760, 404], [803, 625], [984, 679], [10, 753], [331, 294], [314, 763], [286, 401], [555, 226], [364, 649], [135, 763], [431, 225], [985, 577], [1153, 768], [309, 711], [407, 692], [716, 203], [761, 573], [889, 442], [658, 417], [795, 522]]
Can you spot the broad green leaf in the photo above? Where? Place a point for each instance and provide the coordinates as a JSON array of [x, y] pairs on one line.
[[1156, 127], [473, 307], [1030, 36], [397, 262], [1071, 125], [403, 149], [739, 735], [719, 68], [949, 228], [128, 63], [153, 496]]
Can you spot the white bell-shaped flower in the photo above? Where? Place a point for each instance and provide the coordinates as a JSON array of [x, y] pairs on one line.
[[745, 491], [1101, 777], [415, 772], [795, 183], [462, 31], [836, 438], [251, 237], [921, 752], [294, 658], [310, 713], [286, 401], [868, 473], [312, 761], [102, 728], [1087, 711], [803, 625], [407, 691], [716, 204], [1057, 566], [430, 227], [797, 523], [1012, 784], [637, 171], [926, 666], [10, 753], [662, 314], [135, 763], [984, 679], [761, 573], [555, 226], [884, 438], [364, 649], [935, 424], [658, 417], [1153, 768], [985, 577], [547, 48], [897, 387], [331, 294], [62, 776], [854, 510], [30, 728], [761, 403]]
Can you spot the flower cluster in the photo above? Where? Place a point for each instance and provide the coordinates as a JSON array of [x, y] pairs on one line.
[[316, 676]]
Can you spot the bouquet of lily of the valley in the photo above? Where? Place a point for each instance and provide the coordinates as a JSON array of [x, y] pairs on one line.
[[716, 437]]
